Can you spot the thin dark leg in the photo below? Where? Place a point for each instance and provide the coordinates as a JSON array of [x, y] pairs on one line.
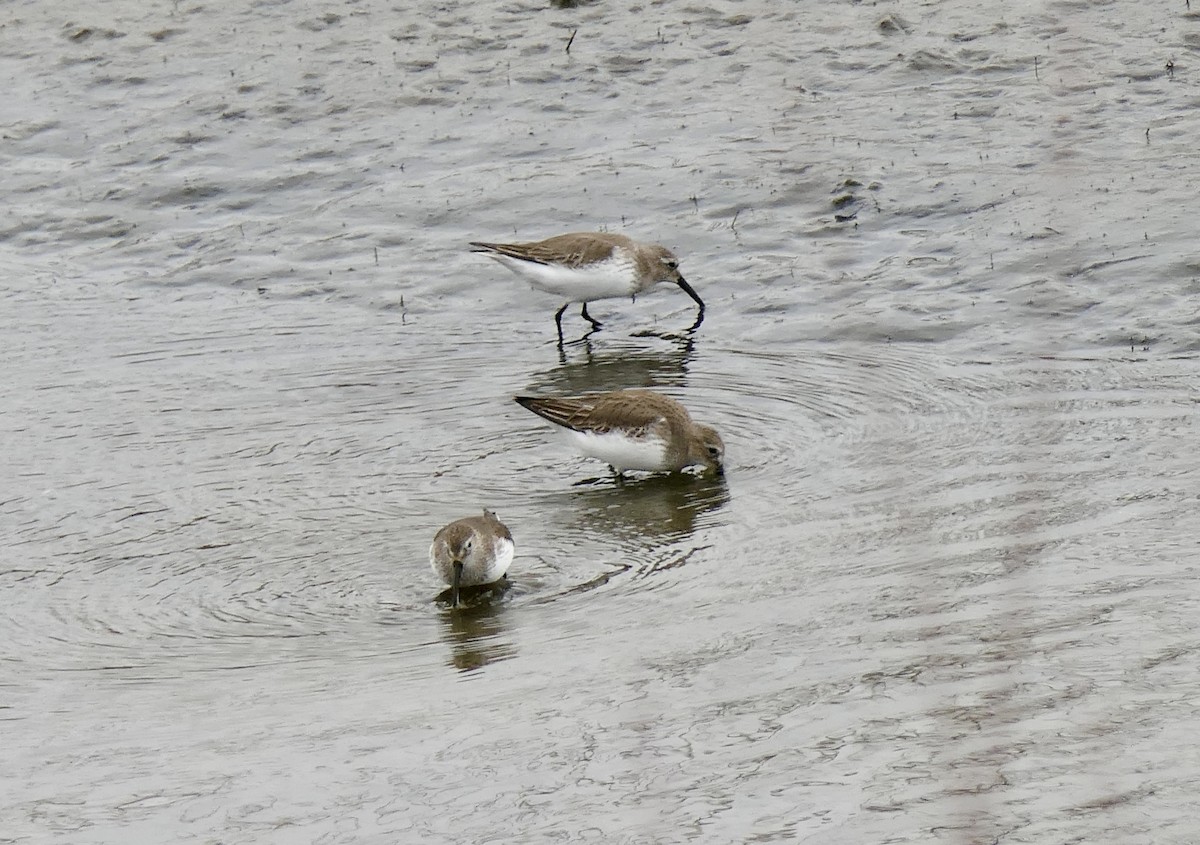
[[558, 321], [595, 323]]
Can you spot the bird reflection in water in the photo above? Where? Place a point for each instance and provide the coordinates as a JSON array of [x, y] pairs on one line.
[[654, 510], [619, 366], [475, 630]]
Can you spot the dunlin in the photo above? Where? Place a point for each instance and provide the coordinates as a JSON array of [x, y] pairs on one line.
[[585, 266], [472, 551], [632, 429]]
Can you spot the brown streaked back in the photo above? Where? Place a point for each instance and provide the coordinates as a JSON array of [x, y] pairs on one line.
[[633, 410], [572, 250]]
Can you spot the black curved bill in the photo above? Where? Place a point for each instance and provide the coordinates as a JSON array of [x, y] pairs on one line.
[[458, 568], [696, 297]]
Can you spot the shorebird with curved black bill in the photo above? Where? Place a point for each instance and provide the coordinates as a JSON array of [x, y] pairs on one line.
[[471, 552], [586, 266], [632, 430]]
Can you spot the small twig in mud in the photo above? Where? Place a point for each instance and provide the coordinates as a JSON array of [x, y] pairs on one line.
[[1035, 68], [571, 40]]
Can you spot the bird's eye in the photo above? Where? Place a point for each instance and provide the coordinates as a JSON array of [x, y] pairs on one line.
[[714, 452]]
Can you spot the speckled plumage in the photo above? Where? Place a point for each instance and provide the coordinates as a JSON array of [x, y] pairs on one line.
[[471, 551], [584, 266], [633, 429]]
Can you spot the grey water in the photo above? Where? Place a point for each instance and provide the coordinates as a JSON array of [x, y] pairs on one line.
[[945, 592]]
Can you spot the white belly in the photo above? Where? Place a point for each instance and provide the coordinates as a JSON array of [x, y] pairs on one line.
[[622, 452], [606, 280]]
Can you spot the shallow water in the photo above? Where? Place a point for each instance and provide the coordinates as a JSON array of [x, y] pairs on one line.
[[944, 592]]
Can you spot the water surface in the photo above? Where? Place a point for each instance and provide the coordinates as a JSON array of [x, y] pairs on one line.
[[944, 592]]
